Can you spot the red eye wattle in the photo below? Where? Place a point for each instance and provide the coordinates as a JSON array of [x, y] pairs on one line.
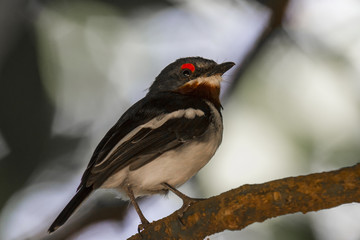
[[189, 66]]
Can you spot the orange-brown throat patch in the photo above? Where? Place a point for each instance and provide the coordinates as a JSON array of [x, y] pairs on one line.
[[203, 89]]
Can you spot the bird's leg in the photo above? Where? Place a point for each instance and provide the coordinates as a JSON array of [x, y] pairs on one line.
[[144, 221], [187, 201]]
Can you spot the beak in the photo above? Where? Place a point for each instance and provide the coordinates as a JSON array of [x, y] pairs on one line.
[[220, 68]]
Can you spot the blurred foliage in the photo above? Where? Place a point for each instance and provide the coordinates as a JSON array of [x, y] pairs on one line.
[[68, 69]]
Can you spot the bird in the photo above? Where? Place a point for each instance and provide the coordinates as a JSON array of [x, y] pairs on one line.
[[161, 141]]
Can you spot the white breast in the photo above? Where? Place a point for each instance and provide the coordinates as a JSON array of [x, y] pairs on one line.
[[174, 167]]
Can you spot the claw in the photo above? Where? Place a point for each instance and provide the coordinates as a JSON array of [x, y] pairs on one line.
[[187, 201], [142, 226], [180, 220]]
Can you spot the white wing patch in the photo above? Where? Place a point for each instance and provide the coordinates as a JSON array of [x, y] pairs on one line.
[[156, 122]]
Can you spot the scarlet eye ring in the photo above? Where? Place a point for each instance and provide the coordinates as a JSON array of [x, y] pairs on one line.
[[189, 66]]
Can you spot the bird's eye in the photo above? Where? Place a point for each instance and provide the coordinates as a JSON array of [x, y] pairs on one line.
[[187, 69], [186, 72]]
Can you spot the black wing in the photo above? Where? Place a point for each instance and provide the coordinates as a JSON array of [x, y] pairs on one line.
[[147, 143]]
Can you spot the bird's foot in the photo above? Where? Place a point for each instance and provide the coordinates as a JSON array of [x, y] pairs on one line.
[[187, 202], [144, 224]]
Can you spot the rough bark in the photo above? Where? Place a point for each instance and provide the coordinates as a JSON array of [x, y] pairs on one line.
[[240, 207]]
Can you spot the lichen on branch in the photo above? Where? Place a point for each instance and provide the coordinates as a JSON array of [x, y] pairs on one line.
[[240, 207]]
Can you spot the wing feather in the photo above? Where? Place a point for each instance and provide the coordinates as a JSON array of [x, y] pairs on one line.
[[149, 144], [134, 142]]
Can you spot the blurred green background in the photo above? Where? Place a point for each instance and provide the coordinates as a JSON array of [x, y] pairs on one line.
[[69, 69]]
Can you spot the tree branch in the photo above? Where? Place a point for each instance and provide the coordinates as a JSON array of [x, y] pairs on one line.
[[240, 207]]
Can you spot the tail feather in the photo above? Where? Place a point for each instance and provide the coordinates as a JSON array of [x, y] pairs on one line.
[[74, 203]]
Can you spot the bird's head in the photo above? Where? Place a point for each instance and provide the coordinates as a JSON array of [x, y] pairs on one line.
[[194, 76]]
